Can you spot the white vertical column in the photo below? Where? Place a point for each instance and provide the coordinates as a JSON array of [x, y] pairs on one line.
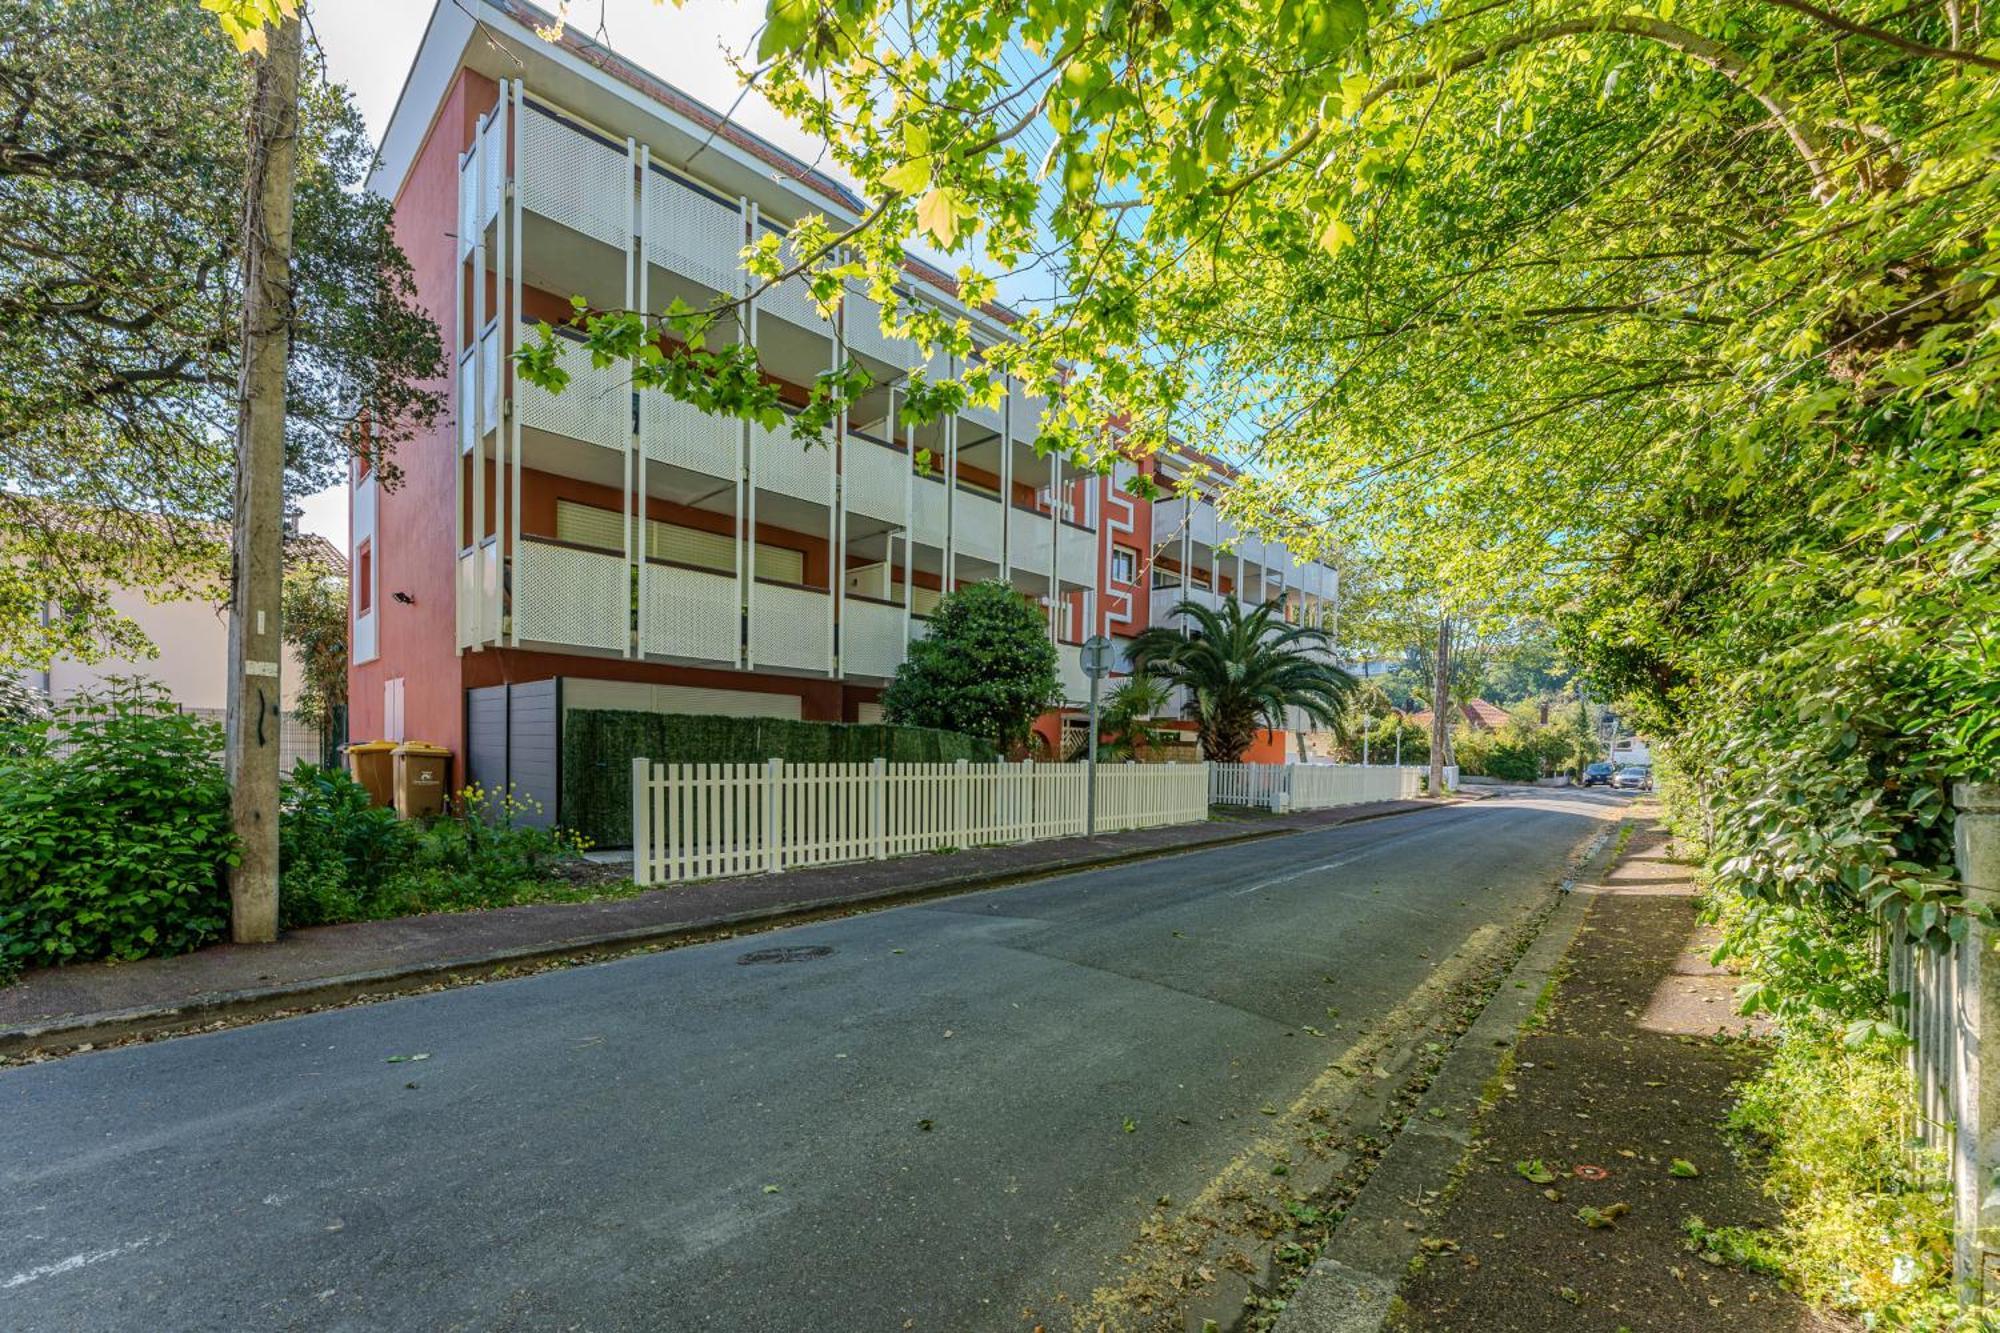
[[489, 598], [459, 459], [631, 438], [1055, 547], [909, 522], [638, 415], [836, 509], [512, 200], [1007, 479], [502, 436], [747, 559], [950, 438]]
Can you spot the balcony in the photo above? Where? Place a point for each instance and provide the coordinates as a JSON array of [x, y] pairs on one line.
[[791, 627], [976, 529], [927, 523], [1070, 674], [595, 407], [1168, 596], [791, 467], [871, 637], [1078, 550], [1028, 540], [681, 435], [571, 596], [861, 324], [1208, 528], [691, 614], [875, 475]]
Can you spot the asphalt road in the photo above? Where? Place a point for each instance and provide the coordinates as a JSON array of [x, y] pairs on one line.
[[923, 1128]]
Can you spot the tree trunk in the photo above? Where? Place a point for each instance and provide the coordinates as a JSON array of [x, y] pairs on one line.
[[1440, 703], [255, 714]]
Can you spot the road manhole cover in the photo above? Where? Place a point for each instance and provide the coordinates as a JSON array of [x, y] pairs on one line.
[[796, 953]]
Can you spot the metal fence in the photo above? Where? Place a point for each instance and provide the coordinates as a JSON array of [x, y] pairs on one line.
[[700, 821], [1950, 1001], [1315, 786]]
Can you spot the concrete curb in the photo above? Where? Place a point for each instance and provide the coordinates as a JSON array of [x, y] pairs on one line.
[[105, 1026], [1352, 1287]]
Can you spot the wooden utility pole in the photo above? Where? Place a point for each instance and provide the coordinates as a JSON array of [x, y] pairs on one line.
[[255, 714], [1440, 702]]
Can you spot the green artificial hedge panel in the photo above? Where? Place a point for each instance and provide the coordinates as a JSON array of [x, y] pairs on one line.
[[599, 746]]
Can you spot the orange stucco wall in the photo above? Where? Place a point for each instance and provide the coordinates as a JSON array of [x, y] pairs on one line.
[[414, 544]]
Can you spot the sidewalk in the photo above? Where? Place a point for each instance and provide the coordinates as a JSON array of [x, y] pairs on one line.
[[1574, 1210], [54, 1008]]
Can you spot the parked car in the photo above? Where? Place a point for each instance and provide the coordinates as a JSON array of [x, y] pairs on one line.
[[1633, 777], [1598, 774]]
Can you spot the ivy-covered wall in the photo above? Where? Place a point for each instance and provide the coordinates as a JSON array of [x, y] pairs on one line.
[[600, 745]]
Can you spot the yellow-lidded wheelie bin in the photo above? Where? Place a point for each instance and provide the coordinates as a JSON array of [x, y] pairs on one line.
[[422, 779], [368, 763]]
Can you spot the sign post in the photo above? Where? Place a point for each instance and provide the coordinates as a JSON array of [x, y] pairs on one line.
[[1097, 656]]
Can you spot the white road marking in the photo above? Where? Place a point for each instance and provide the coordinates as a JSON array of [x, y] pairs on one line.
[[74, 1262]]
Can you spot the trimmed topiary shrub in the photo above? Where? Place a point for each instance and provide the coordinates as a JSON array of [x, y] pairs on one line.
[[986, 668]]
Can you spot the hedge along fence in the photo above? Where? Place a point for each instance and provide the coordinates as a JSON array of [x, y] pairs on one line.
[[599, 746]]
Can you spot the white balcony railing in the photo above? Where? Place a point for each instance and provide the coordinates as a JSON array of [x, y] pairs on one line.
[[1168, 598], [977, 529], [928, 522], [690, 613], [871, 638], [573, 177], [862, 325], [1079, 555], [789, 627], [468, 420], [565, 595], [873, 476], [467, 590], [1070, 673], [1027, 540], [594, 407], [791, 467], [1207, 527], [693, 231], [682, 435]]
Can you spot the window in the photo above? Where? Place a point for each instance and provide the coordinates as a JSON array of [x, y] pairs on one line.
[[1124, 565], [364, 578]]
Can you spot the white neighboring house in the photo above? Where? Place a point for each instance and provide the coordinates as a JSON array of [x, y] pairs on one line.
[[192, 636], [1630, 750]]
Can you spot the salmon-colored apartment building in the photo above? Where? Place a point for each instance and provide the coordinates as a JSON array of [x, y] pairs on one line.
[[606, 549]]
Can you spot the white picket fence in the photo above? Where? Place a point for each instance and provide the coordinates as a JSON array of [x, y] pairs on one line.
[[703, 821], [1315, 786]]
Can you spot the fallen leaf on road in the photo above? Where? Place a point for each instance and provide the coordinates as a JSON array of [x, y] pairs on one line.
[[1598, 1219], [407, 1059], [1682, 1168]]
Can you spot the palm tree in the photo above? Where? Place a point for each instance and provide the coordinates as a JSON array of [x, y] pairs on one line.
[[1128, 732], [1242, 670]]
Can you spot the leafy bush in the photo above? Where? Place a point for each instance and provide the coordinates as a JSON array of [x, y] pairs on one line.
[[986, 668], [114, 831], [343, 859], [1865, 1229], [337, 853]]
